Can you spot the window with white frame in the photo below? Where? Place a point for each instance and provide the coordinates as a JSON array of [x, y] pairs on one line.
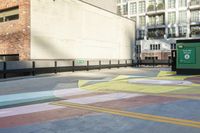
[[195, 16], [141, 7], [125, 9], [133, 8], [142, 20], [141, 34], [182, 31], [152, 2], [172, 32], [152, 20], [182, 16], [160, 20], [171, 18], [118, 1], [171, 4], [182, 3], [173, 46], [119, 10], [154, 46]]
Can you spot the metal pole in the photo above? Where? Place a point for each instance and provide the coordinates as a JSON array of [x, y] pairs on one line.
[[4, 70], [88, 65], [73, 65], [33, 68], [55, 67]]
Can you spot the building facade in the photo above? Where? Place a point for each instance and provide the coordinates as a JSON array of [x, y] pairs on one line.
[[109, 5], [63, 29], [160, 23]]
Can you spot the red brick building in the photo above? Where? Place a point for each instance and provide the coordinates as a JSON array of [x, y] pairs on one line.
[[15, 28]]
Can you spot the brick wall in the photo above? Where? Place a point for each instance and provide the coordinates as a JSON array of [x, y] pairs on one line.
[[15, 35]]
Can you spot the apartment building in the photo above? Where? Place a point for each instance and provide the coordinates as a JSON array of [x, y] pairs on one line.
[[63, 29], [160, 23]]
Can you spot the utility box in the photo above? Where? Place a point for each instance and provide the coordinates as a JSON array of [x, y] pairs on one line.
[[188, 56]]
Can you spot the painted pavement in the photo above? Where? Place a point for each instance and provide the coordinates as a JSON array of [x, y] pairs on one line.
[[165, 103]]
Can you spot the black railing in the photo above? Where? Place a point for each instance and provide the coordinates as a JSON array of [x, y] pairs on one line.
[[24, 68]]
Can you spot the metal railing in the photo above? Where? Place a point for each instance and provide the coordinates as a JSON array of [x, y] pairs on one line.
[[24, 68]]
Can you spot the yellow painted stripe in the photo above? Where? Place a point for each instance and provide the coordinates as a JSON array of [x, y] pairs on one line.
[[149, 117]]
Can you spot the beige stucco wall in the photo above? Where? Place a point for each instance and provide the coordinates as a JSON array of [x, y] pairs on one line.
[[71, 29], [110, 5]]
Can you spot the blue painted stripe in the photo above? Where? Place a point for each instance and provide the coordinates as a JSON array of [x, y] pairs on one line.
[[25, 97]]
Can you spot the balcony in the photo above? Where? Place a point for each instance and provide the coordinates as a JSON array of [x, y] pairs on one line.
[[195, 21], [159, 9], [156, 34], [195, 31], [194, 4], [156, 25], [182, 35], [171, 35]]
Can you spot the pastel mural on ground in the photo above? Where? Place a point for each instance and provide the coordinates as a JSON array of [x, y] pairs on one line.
[[164, 83]]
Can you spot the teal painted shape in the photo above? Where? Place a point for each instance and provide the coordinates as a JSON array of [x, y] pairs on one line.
[[25, 97]]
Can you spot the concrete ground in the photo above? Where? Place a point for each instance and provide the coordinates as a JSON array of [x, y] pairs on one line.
[[131, 100]]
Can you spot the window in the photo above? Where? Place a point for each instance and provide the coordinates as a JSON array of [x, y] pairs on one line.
[[182, 3], [142, 20], [125, 9], [195, 30], [141, 6], [161, 19], [158, 46], [195, 2], [141, 34], [172, 32], [118, 1], [1, 19], [152, 2], [151, 47], [182, 16], [12, 17], [195, 16], [154, 46], [171, 18], [133, 8], [171, 3], [151, 58], [9, 14], [138, 48], [173, 46], [152, 20], [182, 31], [119, 10]]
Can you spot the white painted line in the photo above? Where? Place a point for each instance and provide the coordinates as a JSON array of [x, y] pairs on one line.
[[160, 82], [103, 98]]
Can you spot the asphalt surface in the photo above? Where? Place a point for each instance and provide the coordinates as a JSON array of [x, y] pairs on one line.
[[71, 109]]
